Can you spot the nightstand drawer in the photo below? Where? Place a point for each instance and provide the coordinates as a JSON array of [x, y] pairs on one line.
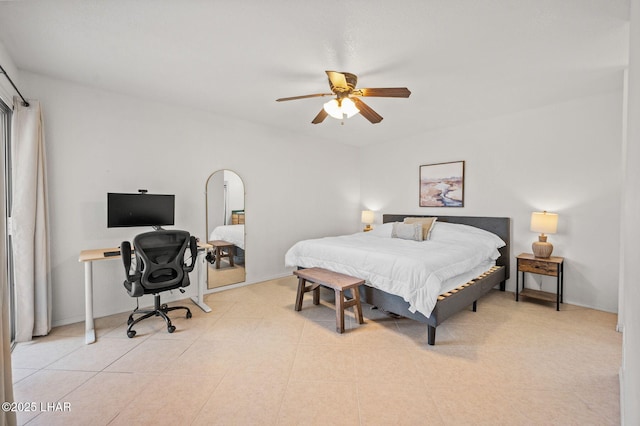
[[538, 267]]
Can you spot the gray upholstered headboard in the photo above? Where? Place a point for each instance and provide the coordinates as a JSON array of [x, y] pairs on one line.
[[501, 226]]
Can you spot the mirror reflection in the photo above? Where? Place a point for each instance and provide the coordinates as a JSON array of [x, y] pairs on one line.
[[225, 228]]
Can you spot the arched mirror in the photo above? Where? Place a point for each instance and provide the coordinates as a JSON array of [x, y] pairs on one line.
[[225, 229]]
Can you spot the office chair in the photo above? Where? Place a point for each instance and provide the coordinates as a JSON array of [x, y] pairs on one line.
[[160, 266]]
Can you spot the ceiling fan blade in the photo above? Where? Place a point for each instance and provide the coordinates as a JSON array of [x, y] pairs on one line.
[[366, 111], [320, 117], [385, 92], [293, 98], [338, 81]]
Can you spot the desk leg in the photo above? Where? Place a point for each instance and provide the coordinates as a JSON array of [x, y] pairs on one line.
[[202, 281], [90, 332], [518, 281], [558, 290], [562, 283]]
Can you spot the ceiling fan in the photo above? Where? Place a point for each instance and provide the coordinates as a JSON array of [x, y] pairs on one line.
[[347, 100]]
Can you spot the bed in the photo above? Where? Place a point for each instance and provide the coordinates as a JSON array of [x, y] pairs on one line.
[[431, 293], [233, 234]]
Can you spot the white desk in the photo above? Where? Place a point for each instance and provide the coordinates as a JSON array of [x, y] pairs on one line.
[[89, 256]]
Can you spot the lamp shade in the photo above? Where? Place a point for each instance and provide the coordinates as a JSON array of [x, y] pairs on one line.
[[367, 217], [339, 109], [543, 222]]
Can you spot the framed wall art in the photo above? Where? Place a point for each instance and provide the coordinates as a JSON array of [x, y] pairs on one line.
[[442, 185]]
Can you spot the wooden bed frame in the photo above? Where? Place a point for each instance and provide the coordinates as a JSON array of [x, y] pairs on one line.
[[450, 303]]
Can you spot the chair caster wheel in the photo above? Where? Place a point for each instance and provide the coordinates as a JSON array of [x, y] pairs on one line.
[[171, 328], [189, 315], [164, 307], [131, 334]]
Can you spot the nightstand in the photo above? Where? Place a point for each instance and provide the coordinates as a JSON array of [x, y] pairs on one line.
[[552, 266]]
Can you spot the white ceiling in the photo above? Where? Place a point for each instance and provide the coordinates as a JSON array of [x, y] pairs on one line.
[[463, 60]]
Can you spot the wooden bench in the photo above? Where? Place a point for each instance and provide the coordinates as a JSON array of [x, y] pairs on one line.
[[336, 281], [222, 249]]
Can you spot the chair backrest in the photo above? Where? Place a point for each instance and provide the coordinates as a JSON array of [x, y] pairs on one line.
[[160, 259]]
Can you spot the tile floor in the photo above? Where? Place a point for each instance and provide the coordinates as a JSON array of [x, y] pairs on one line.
[[256, 361]]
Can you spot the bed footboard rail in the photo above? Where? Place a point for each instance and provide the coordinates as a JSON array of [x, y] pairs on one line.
[[454, 301], [448, 303]]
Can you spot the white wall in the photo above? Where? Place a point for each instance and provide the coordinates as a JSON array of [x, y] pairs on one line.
[[6, 90], [630, 370], [99, 142], [564, 158]]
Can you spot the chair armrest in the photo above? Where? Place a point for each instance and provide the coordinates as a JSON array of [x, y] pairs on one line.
[[193, 247], [125, 252]]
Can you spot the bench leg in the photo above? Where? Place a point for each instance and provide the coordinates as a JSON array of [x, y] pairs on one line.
[[300, 294], [231, 253], [339, 311], [218, 256], [304, 288], [357, 307]]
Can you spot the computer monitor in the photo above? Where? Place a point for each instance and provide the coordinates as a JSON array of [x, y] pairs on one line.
[[128, 210]]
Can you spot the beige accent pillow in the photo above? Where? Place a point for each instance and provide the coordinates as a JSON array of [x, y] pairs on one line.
[[427, 224]]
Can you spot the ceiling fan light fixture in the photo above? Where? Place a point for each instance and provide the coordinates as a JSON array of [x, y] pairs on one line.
[[347, 102], [339, 109], [349, 107]]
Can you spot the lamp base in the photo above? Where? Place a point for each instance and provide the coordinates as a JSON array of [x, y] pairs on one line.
[[542, 249], [367, 228]]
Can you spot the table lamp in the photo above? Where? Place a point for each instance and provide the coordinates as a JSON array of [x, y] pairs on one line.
[[545, 223], [367, 219]]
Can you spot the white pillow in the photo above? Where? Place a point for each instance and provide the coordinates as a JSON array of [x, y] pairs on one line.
[[444, 231], [383, 230], [407, 231]]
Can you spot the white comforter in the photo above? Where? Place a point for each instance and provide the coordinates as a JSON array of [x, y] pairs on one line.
[[410, 269], [230, 233]]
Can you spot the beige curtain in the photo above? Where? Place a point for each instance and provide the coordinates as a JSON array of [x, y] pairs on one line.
[[29, 222], [6, 385]]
